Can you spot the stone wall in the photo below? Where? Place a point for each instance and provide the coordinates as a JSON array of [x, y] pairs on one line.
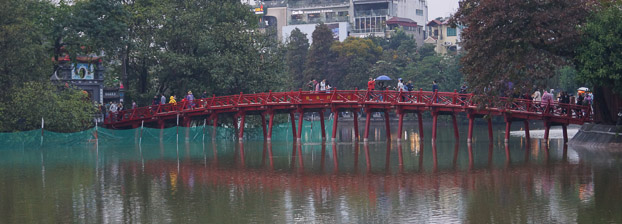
[[599, 137]]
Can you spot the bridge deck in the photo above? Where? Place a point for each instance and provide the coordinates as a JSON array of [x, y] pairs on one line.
[[443, 103]]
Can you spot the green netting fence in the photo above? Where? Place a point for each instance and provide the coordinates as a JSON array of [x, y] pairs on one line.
[[281, 132]]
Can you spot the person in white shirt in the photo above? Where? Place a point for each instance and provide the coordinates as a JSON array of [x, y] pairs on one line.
[[323, 85], [400, 85], [537, 97]]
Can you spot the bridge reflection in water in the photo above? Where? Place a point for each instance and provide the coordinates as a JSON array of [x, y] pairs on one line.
[[285, 182], [412, 182]]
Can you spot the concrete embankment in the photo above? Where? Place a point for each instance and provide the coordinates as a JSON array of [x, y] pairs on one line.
[[598, 137]]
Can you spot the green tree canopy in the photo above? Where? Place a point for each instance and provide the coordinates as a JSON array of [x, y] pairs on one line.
[[320, 58], [23, 49], [64, 110], [599, 60], [355, 57], [517, 41], [297, 49]]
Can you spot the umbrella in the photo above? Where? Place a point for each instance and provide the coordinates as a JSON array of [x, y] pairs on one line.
[[383, 78], [584, 89]]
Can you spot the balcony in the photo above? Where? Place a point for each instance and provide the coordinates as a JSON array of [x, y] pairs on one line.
[[371, 13], [337, 19], [368, 30], [318, 4]]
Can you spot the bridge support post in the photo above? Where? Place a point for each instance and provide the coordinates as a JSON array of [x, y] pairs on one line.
[[387, 125], [335, 120], [508, 124], [471, 123], [547, 127], [400, 124], [322, 125], [301, 114], [490, 137], [527, 136], [434, 122], [420, 118], [356, 124], [185, 121], [215, 125], [263, 126], [367, 121], [456, 133], [161, 124], [242, 116], [565, 130], [270, 123], [293, 119]]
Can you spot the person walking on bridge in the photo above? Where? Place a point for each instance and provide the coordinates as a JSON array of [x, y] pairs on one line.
[[190, 99], [155, 100], [371, 84], [173, 101], [435, 89], [113, 110], [547, 101], [311, 85], [163, 99]]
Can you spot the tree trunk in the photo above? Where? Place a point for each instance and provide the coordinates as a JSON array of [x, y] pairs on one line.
[[606, 106]]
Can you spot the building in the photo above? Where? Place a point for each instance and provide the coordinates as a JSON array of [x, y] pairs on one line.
[[371, 16], [409, 26], [340, 30], [362, 17], [86, 73], [443, 36]]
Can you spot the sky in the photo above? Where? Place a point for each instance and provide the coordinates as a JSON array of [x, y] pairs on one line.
[[441, 8]]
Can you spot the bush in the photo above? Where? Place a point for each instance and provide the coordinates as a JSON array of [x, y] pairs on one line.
[[63, 109]]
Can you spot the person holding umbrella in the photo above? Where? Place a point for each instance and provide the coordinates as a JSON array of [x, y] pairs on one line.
[[382, 85]]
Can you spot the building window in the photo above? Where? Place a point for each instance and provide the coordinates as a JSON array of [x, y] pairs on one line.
[[451, 32], [331, 17], [419, 12], [314, 17], [296, 19]]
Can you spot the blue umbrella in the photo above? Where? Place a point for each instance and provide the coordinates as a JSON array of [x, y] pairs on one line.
[[383, 78]]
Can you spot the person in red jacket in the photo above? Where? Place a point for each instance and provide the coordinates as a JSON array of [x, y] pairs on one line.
[[371, 84]]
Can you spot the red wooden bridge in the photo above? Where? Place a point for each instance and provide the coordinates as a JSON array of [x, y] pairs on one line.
[[271, 103]]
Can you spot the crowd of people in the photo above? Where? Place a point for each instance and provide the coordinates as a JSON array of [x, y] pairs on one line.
[[544, 99], [114, 107], [315, 86], [548, 98]]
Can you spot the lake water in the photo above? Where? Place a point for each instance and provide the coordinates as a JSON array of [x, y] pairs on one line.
[[223, 181]]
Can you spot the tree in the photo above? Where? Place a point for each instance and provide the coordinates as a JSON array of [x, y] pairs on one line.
[[567, 77], [517, 41], [355, 57], [297, 49], [599, 60], [23, 44], [319, 59], [197, 45], [64, 110]]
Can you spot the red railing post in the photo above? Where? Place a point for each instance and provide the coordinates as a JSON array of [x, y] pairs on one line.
[[269, 97], [133, 112], [455, 96]]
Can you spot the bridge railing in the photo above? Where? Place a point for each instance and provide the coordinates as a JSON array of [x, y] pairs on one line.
[[570, 111]]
